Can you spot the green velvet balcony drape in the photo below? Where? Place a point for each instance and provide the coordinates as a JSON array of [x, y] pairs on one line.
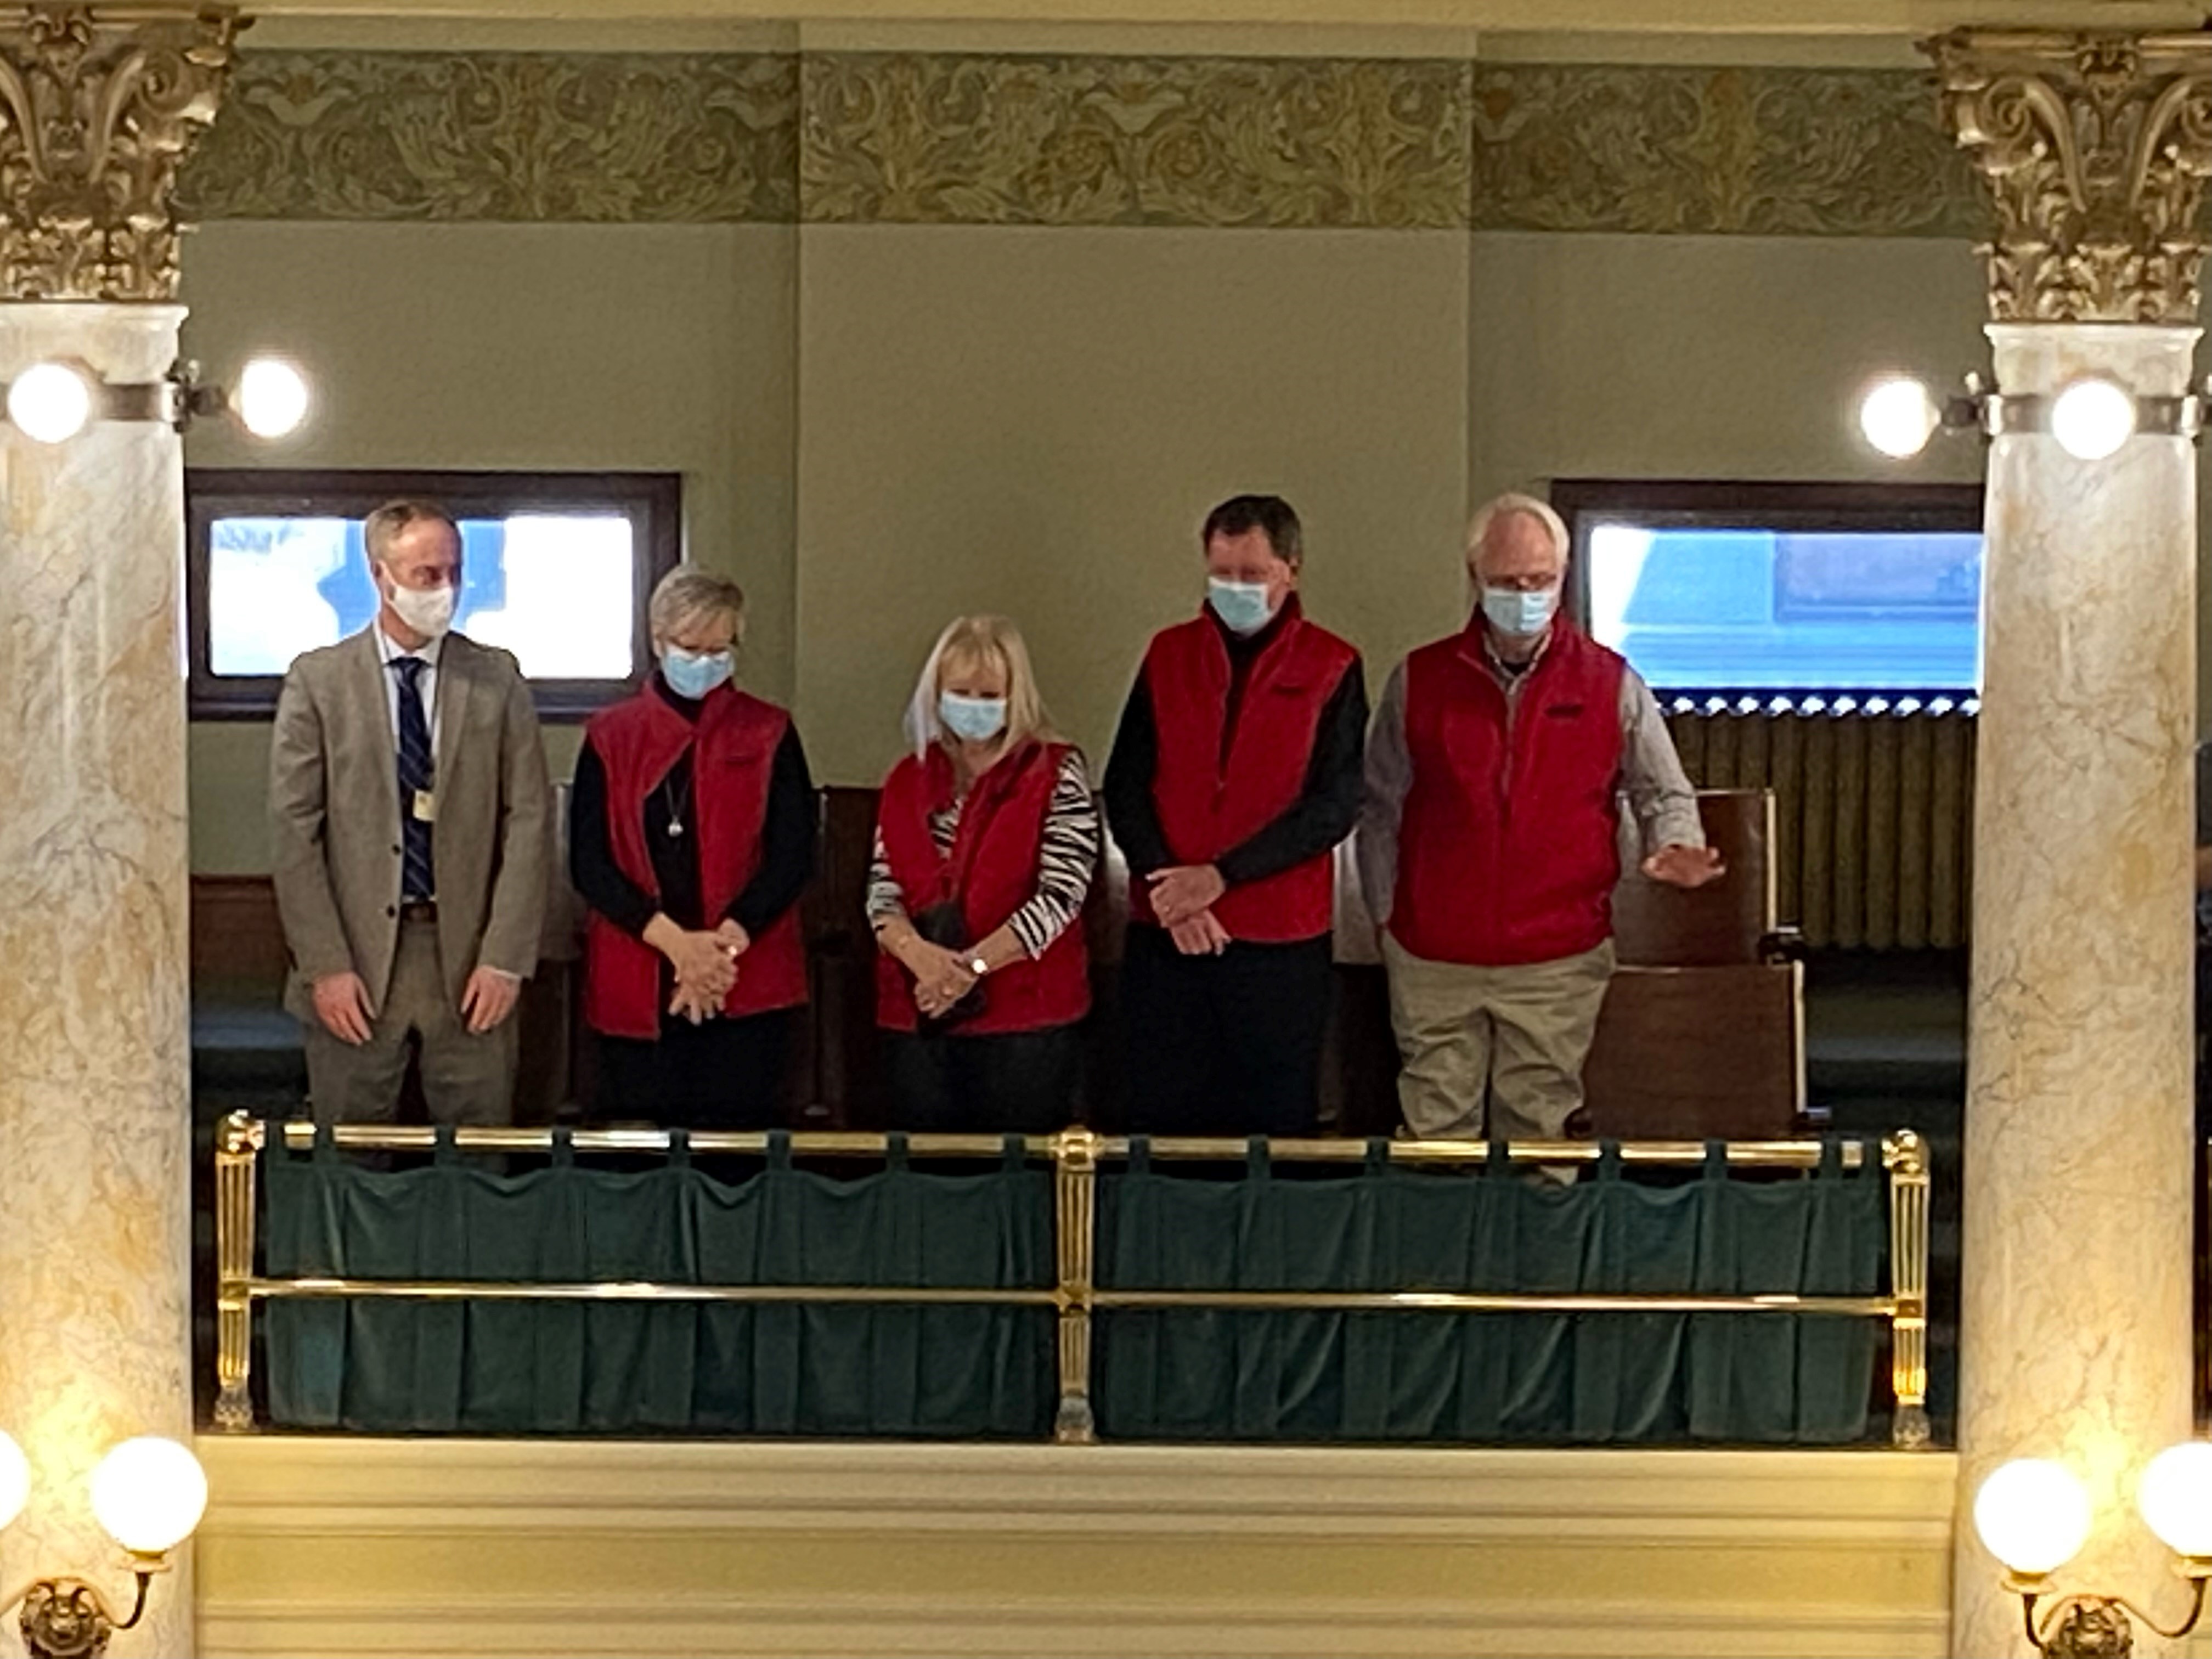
[[502, 1368], [1613, 1378]]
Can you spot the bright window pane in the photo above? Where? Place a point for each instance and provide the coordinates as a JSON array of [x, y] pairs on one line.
[[553, 588], [1701, 609]]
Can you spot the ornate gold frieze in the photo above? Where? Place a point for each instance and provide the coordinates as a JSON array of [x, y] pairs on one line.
[[98, 108], [592, 137], [2095, 149], [1665, 149], [1061, 139], [1270, 144]]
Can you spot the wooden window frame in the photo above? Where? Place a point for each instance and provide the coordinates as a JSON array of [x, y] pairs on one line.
[[653, 503], [1761, 505]]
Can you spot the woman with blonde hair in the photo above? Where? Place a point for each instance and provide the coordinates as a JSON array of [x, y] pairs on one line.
[[691, 837], [986, 837]]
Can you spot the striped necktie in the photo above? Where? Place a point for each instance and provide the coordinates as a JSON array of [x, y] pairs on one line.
[[418, 878]]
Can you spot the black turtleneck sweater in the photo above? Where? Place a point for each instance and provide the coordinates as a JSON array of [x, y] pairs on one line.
[[1321, 815], [786, 842]]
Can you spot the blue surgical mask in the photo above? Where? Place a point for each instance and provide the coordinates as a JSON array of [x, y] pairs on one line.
[[1241, 607], [974, 719], [1519, 615], [693, 674]]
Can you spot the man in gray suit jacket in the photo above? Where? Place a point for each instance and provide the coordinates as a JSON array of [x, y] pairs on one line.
[[412, 824]]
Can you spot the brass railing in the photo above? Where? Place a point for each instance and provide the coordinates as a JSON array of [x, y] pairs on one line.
[[1076, 1156]]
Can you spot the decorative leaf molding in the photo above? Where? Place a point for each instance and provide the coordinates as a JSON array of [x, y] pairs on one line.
[[2095, 149], [97, 110], [596, 137], [943, 138]]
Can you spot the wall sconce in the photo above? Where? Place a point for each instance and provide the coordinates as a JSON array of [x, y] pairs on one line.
[[148, 1494], [52, 402], [2033, 1516], [2090, 417]]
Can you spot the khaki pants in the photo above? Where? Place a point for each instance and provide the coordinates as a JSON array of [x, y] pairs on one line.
[[1516, 1037], [466, 1078]]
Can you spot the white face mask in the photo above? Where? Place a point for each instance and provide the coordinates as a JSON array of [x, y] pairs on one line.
[[428, 610]]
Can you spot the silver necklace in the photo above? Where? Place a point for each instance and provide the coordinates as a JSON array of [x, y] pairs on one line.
[[677, 809]]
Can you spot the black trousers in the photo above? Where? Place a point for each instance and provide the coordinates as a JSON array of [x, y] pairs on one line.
[[1226, 1045], [1017, 1083], [719, 1074]]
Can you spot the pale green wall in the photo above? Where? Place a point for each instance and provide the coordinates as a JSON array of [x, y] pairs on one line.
[[1708, 356], [1036, 422], [879, 426], [568, 347]]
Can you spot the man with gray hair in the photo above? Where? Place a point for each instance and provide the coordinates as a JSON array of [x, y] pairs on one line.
[[1489, 839], [410, 816]]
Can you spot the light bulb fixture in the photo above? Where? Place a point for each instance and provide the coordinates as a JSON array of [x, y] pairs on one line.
[[2176, 1498], [2034, 1517], [273, 398], [50, 403], [2092, 417], [1898, 414], [149, 1494]]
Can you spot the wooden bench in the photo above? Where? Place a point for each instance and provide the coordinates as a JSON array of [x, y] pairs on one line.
[[1701, 1033]]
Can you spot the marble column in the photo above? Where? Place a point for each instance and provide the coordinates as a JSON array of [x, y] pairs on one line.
[[96, 1128], [2075, 1317], [2075, 1328], [95, 1062]]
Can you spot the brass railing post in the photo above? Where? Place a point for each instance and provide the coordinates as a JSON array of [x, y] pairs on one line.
[[1075, 1235], [237, 1148], [1905, 1156]]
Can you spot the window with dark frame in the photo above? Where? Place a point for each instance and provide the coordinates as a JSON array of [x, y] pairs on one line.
[[1782, 590], [555, 568]]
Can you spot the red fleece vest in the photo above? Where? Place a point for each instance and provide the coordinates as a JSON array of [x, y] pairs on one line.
[[1212, 797], [993, 871], [1507, 853], [732, 756]]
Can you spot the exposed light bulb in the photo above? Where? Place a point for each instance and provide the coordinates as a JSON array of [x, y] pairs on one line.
[[1898, 417], [2176, 1498], [15, 1480], [149, 1493], [272, 397], [49, 403], [2033, 1515], [2092, 418]]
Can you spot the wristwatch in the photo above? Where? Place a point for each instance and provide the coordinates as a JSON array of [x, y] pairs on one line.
[[978, 967]]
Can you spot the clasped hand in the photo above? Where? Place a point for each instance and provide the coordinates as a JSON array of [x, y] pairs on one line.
[[706, 966], [1200, 936], [941, 978], [1183, 892], [1183, 897]]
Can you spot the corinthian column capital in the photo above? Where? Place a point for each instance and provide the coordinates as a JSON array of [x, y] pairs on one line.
[[99, 105], [2095, 149]]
